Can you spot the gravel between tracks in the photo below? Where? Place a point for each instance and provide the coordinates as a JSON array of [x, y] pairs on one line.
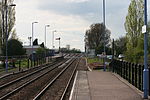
[[28, 92], [81, 67], [23, 81], [14, 76], [31, 90], [55, 91]]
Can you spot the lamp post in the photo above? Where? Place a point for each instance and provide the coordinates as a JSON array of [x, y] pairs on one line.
[[104, 33], [45, 33], [32, 38], [53, 39], [6, 8], [59, 43], [45, 38], [145, 71]]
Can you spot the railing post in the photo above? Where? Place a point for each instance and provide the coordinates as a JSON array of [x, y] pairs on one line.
[[135, 82], [37, 61], [113, 64], [28, 62], [31, 63], [116, 70], [19, 64], [129, 73], [13, 63], [140, 77], [149, 82], [118, 66], [132, 74], [40, 60], [34, 62], [126, 64]]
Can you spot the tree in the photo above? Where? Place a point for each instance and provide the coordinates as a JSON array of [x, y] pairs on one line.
[[15, 48], [40, 51], [74, 50], [100, 49], [120, 45], [11, 20], [96, 36], [133, 26], [14, 35]]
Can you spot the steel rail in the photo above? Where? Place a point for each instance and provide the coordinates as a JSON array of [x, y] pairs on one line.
[[47, 86], [23, 77], [25, 84], [67, 86], [18, 72], [32, 68]]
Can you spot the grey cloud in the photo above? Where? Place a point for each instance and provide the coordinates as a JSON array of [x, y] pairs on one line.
[[61, 6], [87, 9], [90, 9]]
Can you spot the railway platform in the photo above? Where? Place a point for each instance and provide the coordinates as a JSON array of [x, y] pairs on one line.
[[99, 85]]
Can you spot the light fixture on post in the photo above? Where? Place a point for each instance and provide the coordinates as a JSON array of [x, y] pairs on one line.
[[45, 33], [59, 43], [6, 8], [32, 40], [45, 39], [53, 39]]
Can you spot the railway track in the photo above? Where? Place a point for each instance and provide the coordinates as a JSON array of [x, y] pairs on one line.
[[9, 89], [17, 76], [23, 72], [42, 83], [56, 91]]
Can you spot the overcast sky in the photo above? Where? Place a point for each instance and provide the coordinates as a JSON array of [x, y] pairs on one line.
[[71, 18]]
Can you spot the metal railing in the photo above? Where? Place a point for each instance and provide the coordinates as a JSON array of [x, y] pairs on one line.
[[133, 73], [21, 62]]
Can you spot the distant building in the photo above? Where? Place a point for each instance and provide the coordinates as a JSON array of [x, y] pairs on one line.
[[68, 47], [29, 49], [91, 52]]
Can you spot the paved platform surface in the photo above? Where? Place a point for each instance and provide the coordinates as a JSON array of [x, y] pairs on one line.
[[99, 85]]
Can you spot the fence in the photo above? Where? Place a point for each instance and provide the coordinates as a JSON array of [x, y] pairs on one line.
[[24, 62], [133, 73]]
